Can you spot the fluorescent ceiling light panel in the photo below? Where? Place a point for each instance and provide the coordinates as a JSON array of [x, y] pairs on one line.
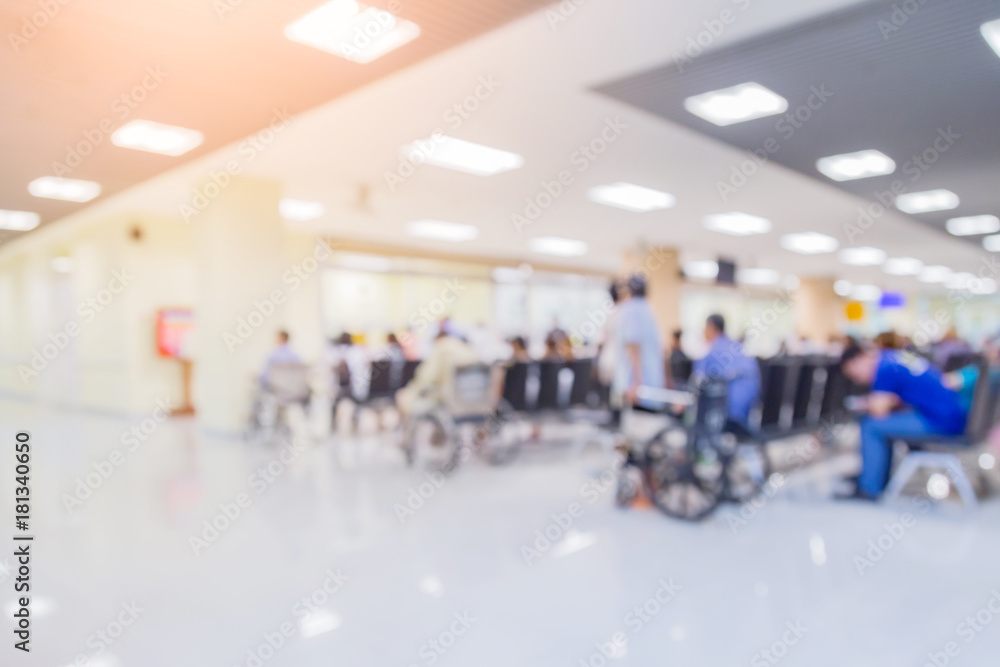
[[439, 230], [300, 209], [556, 245], [66, 189], [352, 30], [461, 155], [809, 243], [18, 221], [862, 256], [992, 243], [758, 276], [737, 104], [736, 223], [960, 281], [934, 274], [843, 287], [866, 293], [991, 33], [851, 166], [927, 201], [902, 266], [705, 269], [146, 135], [631, 197], [973, 224], [984, 286]]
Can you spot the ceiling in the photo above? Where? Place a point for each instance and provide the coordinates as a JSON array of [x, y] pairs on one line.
[[894, 78], [544, 107], [222, 67]]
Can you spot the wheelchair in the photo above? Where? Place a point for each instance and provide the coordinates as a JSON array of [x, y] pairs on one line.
[[696, 460], [286, 386], [469, 420]]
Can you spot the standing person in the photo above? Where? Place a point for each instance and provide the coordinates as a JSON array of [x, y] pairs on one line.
[[641, 350], [680, 363], [725, 359], [908, 398]]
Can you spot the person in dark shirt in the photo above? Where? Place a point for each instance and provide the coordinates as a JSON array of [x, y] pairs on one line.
[[908, 398]]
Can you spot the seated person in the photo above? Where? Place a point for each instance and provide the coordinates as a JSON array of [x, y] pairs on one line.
[[519, 351], [425, 392], [908, 398], [281, 354], [725, 359]]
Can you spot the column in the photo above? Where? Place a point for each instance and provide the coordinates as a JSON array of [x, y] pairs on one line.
[[240, 255], [661, 269], [816, 309]]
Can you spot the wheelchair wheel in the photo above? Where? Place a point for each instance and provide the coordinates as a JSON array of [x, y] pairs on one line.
[[747, 468], [499, 442], [684, 482], [428, 438]]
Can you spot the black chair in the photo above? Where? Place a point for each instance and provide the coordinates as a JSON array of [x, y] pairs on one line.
[[583, 381], [409, 370], [515, 386], [803, 414], [773, 379], [548, 385], [380, 380], [939, 451]]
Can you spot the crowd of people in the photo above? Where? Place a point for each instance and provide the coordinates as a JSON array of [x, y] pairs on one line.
[[910, 394]]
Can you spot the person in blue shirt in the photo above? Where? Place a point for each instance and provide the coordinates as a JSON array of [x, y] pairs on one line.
[[725, 359], [908, 398], [641, 360]]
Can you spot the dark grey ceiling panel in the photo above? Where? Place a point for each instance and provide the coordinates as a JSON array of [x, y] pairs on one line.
[[899, 75]]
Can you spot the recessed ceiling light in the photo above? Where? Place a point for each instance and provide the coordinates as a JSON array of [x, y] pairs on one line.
[[18, 221], [736, 223], [851, 166], [737, 104], [866, 293], [809, 243], [300, 209], [991, 33], [705, 269], [984, 286], [862, 256], [902, 266], [843, 287], [352, 30], [960, 281], [992, 243], [631, 197], [66, 189], [973, 224], [556, 245], [460, 155], [62, 264], [146, 135], [934, 274], [927, 201], [439, 230], [758, 276]]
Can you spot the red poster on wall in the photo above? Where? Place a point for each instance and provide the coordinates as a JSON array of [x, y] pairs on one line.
[[174, 329]]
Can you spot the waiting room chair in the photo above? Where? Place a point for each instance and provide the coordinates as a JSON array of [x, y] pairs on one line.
[[941, 452]]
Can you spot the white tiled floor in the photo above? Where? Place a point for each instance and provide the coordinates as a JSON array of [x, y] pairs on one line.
[[332, 509]]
